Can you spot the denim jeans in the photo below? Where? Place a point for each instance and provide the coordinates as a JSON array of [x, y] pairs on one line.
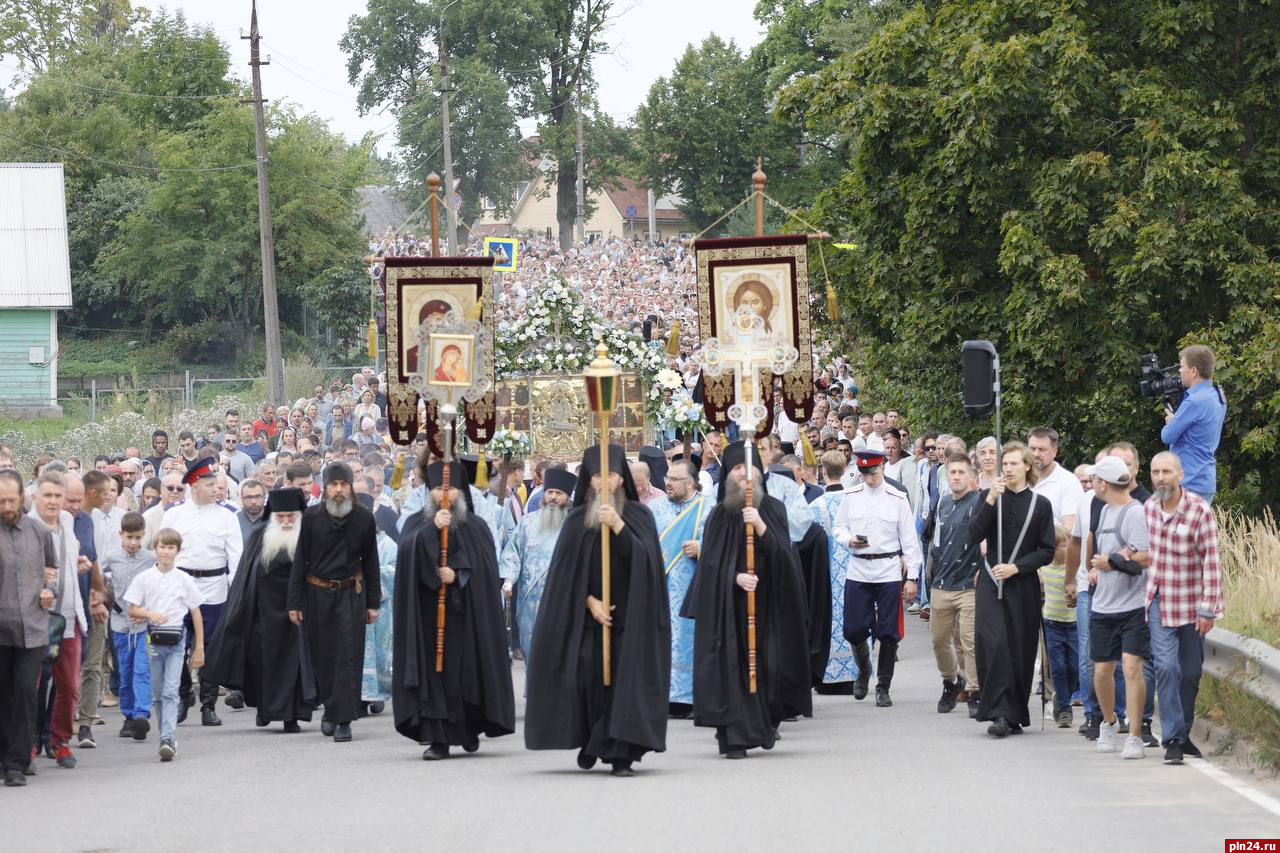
[[167, 663], [135, 674], [1061, 649], [1179, 659]]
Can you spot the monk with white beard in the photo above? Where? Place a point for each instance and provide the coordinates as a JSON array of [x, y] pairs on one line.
[[256, 649]]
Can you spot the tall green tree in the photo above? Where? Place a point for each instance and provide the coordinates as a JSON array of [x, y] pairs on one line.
[[541, 49], [1079, 183]]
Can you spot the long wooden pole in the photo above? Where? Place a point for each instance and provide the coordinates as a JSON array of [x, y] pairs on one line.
[[749, 441], [606, 585], [757, 183], [433, 187], [444, 545]]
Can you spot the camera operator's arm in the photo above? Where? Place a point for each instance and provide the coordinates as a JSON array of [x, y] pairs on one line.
[[1176, 423]]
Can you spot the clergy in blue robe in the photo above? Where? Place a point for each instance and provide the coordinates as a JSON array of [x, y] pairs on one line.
[[841, 668], [375, 683], [680, 518], [526, 558]]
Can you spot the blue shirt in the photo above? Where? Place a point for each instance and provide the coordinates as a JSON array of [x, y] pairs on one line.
[[1194, 433], [82, 526]]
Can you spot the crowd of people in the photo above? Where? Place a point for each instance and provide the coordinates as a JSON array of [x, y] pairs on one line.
[[298, 562]]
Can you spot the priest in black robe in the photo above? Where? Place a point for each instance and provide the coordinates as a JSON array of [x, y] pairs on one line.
[[472, 694], [1020, 541], [717, 602], [334, 591], [256, 649], [568, 705], [815, 567]]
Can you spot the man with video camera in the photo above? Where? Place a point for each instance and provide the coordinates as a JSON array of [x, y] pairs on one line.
[[1193, 431]]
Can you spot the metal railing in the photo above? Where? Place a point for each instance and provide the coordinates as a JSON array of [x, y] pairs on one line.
[[1249, 664]]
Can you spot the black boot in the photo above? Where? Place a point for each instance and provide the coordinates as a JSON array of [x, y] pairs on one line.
[[947, 703], [209, 717], [884, 673], [862, 657]]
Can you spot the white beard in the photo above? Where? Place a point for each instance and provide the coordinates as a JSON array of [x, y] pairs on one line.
[[458, 509], [592, 519], [277, 540], [551, 517], [735, 493], [338, 508]]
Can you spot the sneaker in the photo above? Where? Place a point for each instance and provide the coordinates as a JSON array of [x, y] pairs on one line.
[[141, 726], [1173, 753], [948, 701], [126, 729], [84, 738], [96, 720], [1190, 750], [1107, 737], [14, 779], [65, 759], [974, 701], [914, 608], [924, 613], [1093, 727], [1064, 718], [1148, 739], [167, 749], [235, 700], [109, 701], [1133, 747]]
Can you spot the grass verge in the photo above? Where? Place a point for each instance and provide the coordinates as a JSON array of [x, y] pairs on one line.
[[1245, 716]]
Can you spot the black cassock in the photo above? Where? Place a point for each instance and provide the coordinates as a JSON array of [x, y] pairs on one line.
[[336, 549], [1007, 631], [568, 706], [815, 564], [256, 649], [472, 695], [721, 695]]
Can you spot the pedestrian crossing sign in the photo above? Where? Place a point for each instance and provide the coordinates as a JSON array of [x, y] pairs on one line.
[[503, 250]]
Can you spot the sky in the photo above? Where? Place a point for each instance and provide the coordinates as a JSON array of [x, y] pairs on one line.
[[307, 66]]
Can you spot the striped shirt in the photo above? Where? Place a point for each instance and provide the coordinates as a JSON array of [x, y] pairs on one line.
[[1056, 608], [1184, 569]]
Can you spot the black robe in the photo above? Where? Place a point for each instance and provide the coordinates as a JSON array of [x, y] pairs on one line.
[[721, 696], [1007, 631], [815, 562], [568, 706], [255, 648], [472, 695], [333, 620]]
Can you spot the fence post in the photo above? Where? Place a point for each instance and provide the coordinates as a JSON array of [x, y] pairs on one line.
[[93, 401], [186, 391]]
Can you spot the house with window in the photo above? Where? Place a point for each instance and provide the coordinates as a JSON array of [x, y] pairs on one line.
[[619, 210], [35, 284]]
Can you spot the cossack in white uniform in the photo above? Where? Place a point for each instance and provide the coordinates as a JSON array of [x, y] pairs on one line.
[[211, 540], [884, 516]]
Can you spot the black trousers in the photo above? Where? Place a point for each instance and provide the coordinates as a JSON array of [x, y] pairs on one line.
[[209, 615], [872, 609], [19, 670]]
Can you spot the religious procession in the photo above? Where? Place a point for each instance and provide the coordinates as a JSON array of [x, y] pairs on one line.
[[788, 434]]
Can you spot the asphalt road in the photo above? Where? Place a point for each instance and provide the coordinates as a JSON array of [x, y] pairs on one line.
[[853, 777]]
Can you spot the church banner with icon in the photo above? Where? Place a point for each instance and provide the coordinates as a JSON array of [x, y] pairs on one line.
[[419, 290], [769, 275]]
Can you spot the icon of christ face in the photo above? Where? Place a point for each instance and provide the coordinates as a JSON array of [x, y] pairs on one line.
[[756, 296]]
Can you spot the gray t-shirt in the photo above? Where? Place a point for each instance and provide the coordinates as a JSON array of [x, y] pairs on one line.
[[1118, 592]]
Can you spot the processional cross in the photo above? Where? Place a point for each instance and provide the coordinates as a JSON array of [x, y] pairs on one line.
[[750, 351]]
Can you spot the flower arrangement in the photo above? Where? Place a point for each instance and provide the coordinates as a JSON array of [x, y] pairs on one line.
[[681, 413], [557, 333], [510, 444]]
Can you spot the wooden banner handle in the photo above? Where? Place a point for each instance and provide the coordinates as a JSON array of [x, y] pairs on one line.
[[751, 570], [606, 593], [444, 561]]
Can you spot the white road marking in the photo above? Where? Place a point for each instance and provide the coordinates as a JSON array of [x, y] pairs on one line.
[[1245, 790]]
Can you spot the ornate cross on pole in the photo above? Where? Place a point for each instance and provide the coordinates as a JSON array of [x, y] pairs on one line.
[[751, 351]]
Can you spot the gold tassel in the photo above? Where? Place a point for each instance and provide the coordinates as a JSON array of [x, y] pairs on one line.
[[482, 473], [397, 473], [806, 451], [475, 311], [373, 337], [673, 339], [833, 304]]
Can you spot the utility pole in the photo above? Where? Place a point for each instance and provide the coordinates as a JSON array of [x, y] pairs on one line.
[[451, 215], [270, 307], [580, 224]]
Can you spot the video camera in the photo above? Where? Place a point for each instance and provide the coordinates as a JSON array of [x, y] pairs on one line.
[[1156, 381]]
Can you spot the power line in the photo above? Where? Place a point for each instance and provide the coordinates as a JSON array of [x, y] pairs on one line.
[[65, 152]]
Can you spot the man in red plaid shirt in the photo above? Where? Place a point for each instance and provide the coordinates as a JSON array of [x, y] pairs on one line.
[[1184, 597]]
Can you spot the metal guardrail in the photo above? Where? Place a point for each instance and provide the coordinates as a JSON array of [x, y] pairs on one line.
[[1249, 664]]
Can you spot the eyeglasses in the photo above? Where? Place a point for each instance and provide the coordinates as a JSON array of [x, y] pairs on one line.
[[173, 488], [929, 448]]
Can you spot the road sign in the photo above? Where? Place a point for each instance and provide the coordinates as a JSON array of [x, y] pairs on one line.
[[455, 201], [504, 252], [632, 212]]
